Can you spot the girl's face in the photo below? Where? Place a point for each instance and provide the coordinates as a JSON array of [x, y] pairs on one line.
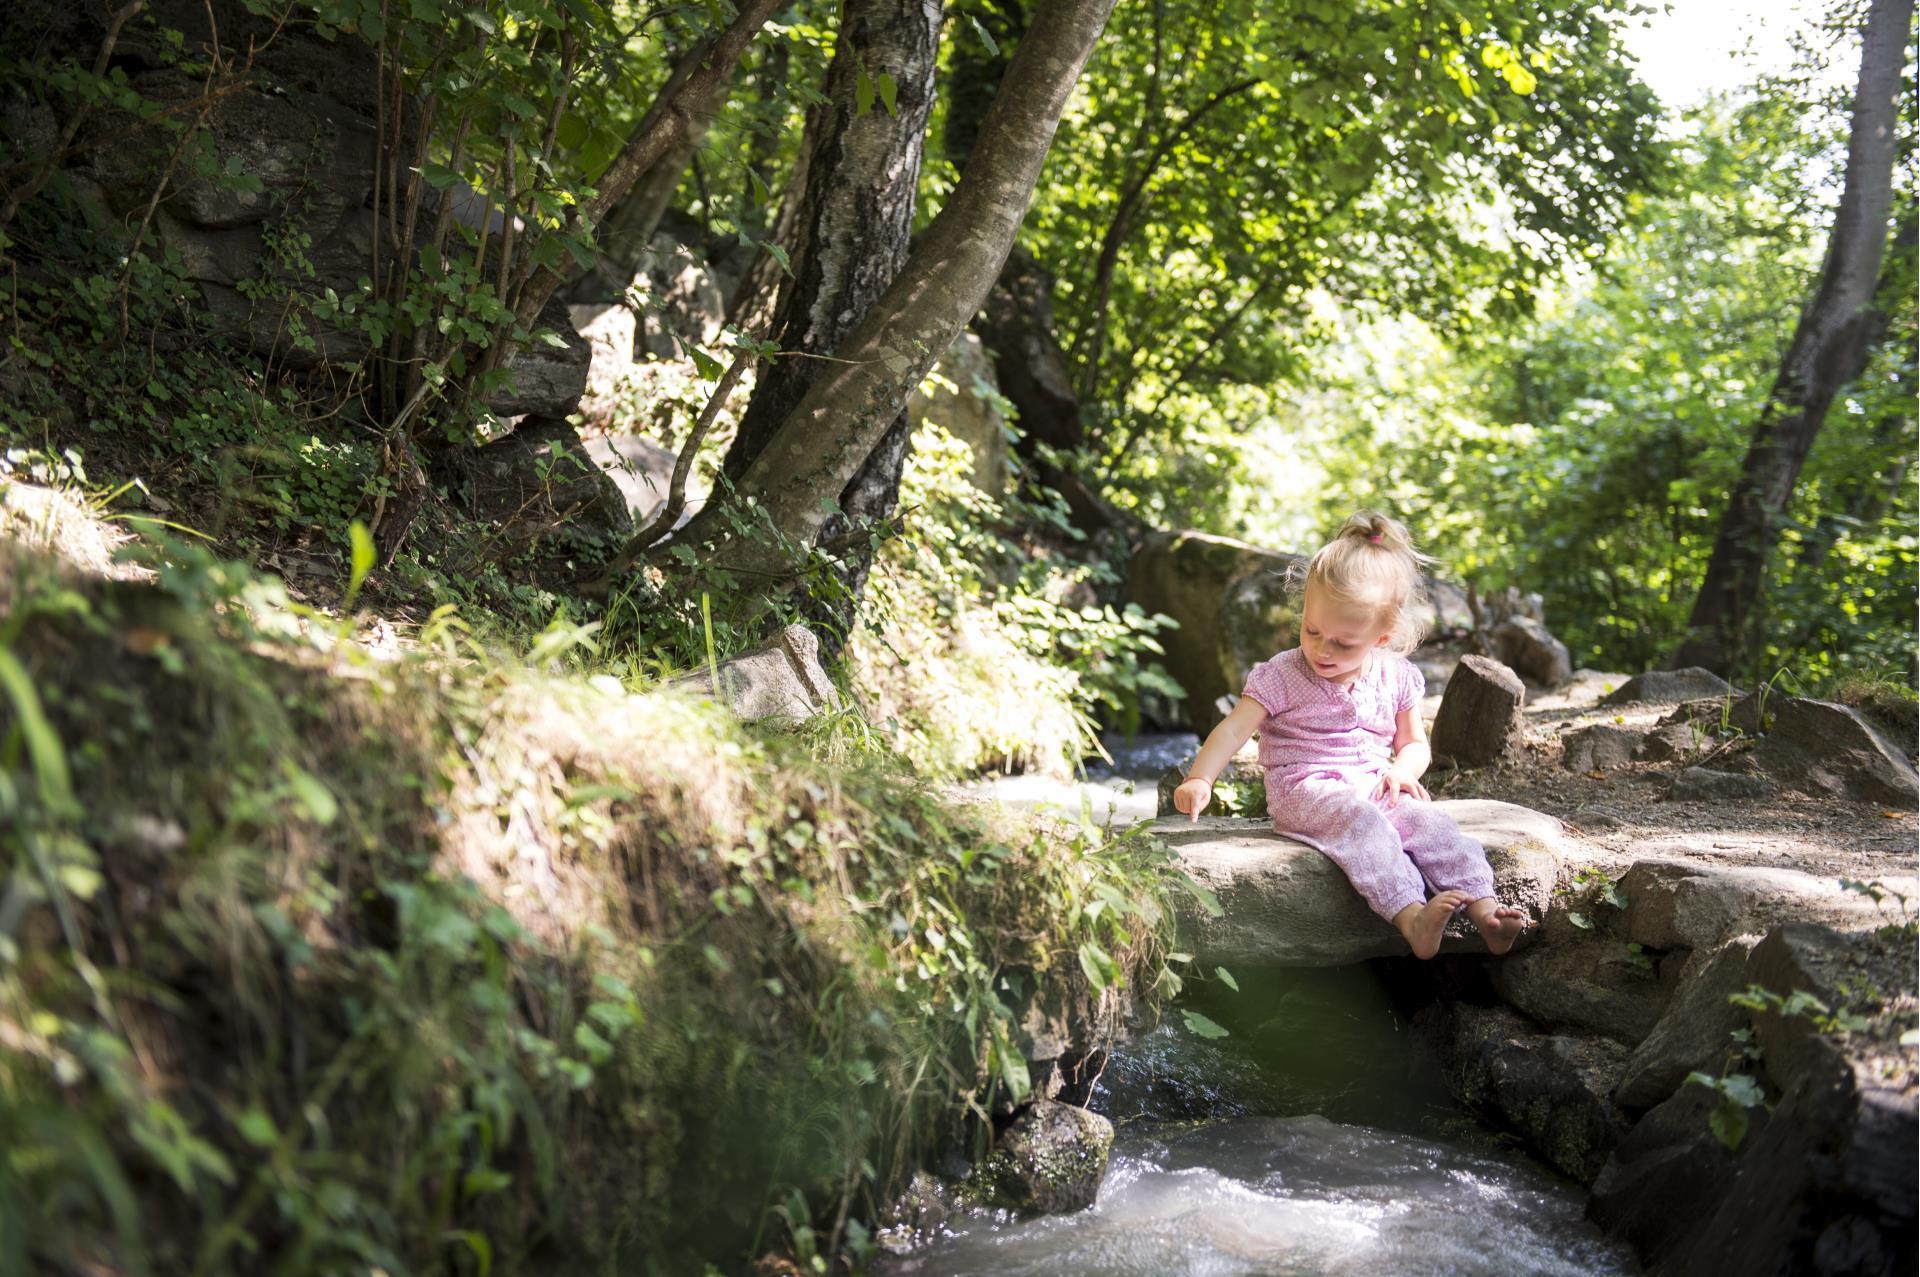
[[1335, 637]]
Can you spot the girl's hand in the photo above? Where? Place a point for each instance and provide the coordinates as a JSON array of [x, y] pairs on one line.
[[1192, 797], [1393, 784]]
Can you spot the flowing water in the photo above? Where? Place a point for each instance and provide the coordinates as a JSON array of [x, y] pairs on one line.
[[1317, 1137]]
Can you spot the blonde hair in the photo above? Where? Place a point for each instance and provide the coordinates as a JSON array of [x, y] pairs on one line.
[[1371, 563]]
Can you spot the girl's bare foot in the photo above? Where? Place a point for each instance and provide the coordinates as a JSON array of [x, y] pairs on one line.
[[1500, 924], [1423, 924]]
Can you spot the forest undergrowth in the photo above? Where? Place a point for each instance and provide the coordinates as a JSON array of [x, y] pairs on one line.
[[325, 955]]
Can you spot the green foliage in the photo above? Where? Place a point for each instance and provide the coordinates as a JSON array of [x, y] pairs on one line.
[[1227, 163], [1587, 456], [468, 959], [985, 647], [1738, 1093]]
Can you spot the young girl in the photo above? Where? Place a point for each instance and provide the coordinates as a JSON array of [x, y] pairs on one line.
[[1344, 748]]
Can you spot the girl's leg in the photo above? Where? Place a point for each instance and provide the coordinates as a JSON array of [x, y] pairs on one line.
[[1337, 820], [1451, 861]]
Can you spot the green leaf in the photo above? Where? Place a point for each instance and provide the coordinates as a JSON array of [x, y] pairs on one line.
[[889, 92], [438, 176], [362, 557], [572, 131], [986, 37], [1581, 921], [1728, 1123], [1012, 1067], [862, 92], [1201, 1025], [1226, 978], [43, 745], [257, 1128], [313, 795]]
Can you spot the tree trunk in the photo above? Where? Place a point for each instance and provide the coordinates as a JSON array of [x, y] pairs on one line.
[[850, 238], [1830, 348], [823, 442]]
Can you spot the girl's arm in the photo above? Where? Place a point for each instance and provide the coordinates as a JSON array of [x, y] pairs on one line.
[[1410, 757], [1223, 742]]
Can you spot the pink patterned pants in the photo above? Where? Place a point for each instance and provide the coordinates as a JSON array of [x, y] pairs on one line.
[[1391, 855]]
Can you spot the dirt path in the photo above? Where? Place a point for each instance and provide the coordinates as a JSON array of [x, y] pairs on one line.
[[1624, 809]]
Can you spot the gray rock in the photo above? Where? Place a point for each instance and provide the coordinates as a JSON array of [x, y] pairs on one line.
[[639, 467], [1667, 687], [1830, 750], [538, 482], [1700, 785], [543, 380], [1599, 747], [1673, 904], [611, 330], [917, 1215], [1672, 741], [687, 304], [1824, 1182], [1246, 778], [1694, 1033], [780, 679], [1050, 1160], [967, 407], [1523, 644], [1479, 719], [1594, 986], [1286, 905], [1666, 1176], [1553, 1090]]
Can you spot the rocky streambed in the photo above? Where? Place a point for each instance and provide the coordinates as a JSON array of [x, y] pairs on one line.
[[1696, 1061]]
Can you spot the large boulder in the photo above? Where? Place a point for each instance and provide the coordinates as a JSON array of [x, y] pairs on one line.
[[1695, 1032], [1479, 719], [1523, 644], [1050, 1160], [1553, 1090], [540, 482], [1597, 986], [782, 679], [1676, 904], [1831, 751], [1286, 905], [1670, 687], [962, 398], [1824, 1181], [1188, 576]]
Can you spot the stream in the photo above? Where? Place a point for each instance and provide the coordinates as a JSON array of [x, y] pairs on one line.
[[1317, 1137]]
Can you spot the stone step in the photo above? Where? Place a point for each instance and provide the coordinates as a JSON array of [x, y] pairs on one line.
[[1286, 905]]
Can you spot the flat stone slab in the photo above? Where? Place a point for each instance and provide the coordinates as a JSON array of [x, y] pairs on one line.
[[1287, 905]]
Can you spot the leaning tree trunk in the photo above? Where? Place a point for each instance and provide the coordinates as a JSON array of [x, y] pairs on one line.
[[823, 442], [851, 231], [1830, 348]]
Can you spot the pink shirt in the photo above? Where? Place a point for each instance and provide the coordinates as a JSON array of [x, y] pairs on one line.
[[1313, 725]]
